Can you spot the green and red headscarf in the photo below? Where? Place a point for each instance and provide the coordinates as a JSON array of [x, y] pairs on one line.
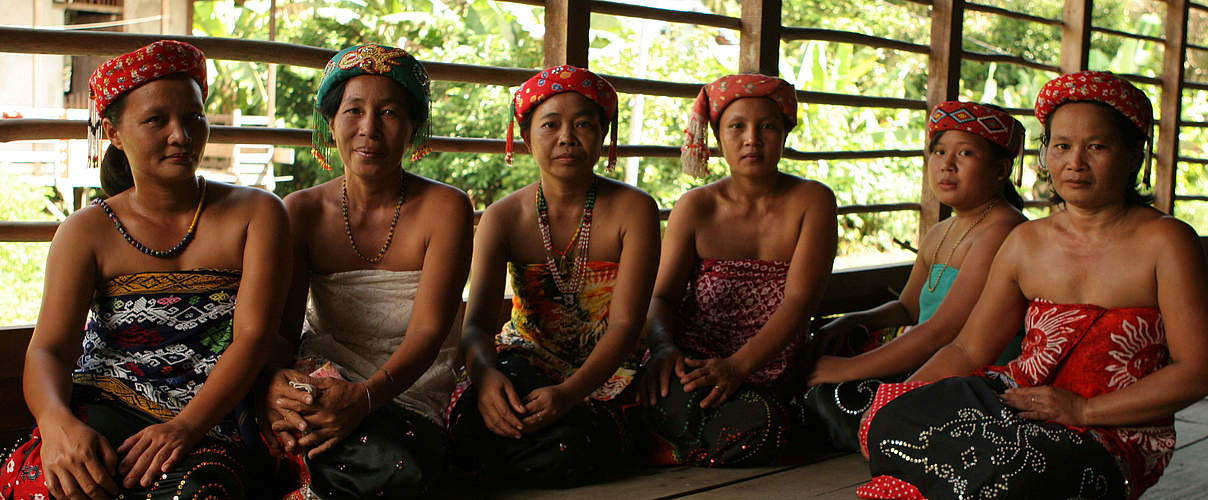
[[373, 59], [713, 100], [554, 81]]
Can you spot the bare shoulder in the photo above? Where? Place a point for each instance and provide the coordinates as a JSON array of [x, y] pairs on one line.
[[307, 201], [634, 200], [812, 193], [510, 207], [245, 199], [438, 196], [1168, 233], [83, 225]]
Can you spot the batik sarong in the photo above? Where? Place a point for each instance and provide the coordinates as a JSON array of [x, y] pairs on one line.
[[726, 303], [150, 344], [918, 436]]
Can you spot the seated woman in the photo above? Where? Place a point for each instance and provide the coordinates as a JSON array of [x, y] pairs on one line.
[[581, 250], [744, 264], [154, 407], [370, 422], [1114, 295], [970, 151]]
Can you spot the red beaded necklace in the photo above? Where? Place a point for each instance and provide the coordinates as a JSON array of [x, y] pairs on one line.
[[568, 281]]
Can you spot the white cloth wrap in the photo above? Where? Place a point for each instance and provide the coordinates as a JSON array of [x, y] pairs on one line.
[[356, 319]]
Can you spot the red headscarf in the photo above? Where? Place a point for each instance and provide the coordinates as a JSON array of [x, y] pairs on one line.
[[559, 79], [1101, 87], [1096, 86], [129, 71], [715, 97]]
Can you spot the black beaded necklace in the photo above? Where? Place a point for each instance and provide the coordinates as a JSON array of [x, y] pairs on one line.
[[163, 254], [398, 208]]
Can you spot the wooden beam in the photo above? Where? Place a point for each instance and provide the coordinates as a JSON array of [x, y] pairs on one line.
[[797, 33], [990, 9], [566, 27], [943, 84], [1011, 59], [759, 41], [668, 15], [1172, 104], [1126, 34], [1076, 36]]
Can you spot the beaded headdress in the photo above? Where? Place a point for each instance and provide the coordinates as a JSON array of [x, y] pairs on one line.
[[373, 59]]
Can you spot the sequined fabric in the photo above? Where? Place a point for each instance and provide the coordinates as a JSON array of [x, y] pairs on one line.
[[1086, 349], [751, 428], [727, 302]]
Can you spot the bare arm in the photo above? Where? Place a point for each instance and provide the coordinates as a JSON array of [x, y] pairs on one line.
[[910, 351], [992, 323], [663, 320]]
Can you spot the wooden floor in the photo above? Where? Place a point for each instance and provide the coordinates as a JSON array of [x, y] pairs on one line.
[[838, 476]]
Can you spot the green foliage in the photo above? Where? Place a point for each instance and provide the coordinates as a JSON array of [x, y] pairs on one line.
[[22, 265]]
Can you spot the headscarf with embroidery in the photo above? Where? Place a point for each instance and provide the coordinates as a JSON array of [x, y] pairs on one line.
[[554, 81], [1101, 87], [994, 125], [127, 72], [373, 59], [713, 100]]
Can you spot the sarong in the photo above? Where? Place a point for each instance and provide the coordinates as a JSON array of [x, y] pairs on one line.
[[548, 338], [1086, 349], [150, 344], [725, 305], [356, 320]]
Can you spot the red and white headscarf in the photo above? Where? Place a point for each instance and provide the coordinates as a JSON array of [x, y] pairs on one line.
[[713, 100], [993, 125], [554, 81], [1102, 87], [129, 71], [1096, 86]]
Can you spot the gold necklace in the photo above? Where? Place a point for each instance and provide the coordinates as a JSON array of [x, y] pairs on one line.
[[393, 221], [935, 255]]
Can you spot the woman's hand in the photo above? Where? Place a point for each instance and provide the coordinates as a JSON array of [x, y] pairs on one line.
[[339, 406], [77, 461], [1048, 403], [154, 451], [499, 404], [546, 405], [278, 422], [830, 370], [722, 373], [655, 379]]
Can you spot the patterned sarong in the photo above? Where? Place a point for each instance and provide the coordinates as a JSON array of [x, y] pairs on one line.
[[1086, 349], [726, 304], [149, 346], [556, 337]]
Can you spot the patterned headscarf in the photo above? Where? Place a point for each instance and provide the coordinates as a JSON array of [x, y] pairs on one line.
[[713, 100], [994, 125], [559, 79], [373, 59], [127, 72], [1101, 87]]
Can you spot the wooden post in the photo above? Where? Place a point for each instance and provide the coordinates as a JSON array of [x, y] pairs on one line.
[[1172, 108], [271, 84], [943, 84], [759, 41], [1076, 36], [566, 25], [163, 17]]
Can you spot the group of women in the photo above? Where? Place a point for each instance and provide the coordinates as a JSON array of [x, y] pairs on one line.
[[337, 373]]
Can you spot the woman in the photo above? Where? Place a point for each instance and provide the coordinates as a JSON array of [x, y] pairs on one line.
[[370, 422], [1114, 300], [970, 151], [744, 265], [581, 250], [154, 405]]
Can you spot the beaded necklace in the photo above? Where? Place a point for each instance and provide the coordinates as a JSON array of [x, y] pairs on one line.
[[931, 287], [163, 254], [568, 281], [393, 221]]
